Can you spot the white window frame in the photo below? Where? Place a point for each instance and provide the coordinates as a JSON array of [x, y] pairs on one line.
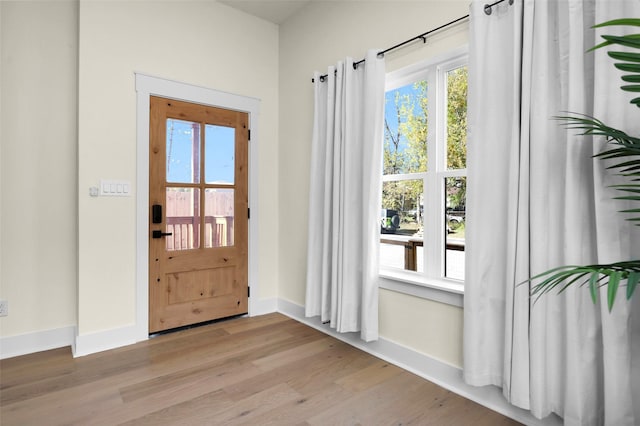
[[423, 284]]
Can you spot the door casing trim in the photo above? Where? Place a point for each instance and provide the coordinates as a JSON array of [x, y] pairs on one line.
[[147, 86]]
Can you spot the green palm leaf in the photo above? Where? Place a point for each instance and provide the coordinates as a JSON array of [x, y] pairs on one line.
[[631, 40], [626, 147], [630, 60], [595, 276], [632, 282], [625, 56], [612, 288], [631, 78], [625, 66], [627, 22], [593, 285]]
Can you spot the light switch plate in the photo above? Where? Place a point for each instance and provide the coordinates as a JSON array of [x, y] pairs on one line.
[[115, 188]]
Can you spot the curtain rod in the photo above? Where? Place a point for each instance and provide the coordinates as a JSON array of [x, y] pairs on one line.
[[423, 36]]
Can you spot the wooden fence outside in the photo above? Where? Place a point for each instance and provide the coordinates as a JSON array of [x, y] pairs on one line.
[[184, 220]]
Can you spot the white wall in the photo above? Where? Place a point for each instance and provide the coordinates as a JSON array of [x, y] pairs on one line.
[[200, 43], [316, 37], [38, 134]]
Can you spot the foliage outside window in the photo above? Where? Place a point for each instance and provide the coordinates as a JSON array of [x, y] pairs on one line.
[[422, 220]]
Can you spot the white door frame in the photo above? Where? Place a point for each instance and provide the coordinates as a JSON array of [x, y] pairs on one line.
[[147, 86]]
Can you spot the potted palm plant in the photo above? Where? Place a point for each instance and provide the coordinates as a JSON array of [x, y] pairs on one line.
[[624, 152]]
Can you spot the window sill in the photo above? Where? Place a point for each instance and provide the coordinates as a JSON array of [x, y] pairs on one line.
[[440, 290]]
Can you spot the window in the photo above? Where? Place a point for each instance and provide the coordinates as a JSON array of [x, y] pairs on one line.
[[422, 217]]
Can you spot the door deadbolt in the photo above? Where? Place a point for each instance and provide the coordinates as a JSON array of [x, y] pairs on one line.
[[156, 213]]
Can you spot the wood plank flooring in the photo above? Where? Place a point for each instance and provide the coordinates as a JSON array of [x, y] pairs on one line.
[[267, 370]]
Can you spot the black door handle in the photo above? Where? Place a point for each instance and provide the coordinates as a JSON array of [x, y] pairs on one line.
[[159, 234]]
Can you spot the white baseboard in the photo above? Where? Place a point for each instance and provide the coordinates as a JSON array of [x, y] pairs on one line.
[[262, 306], [87, 344], [436, 371], [38, 341]]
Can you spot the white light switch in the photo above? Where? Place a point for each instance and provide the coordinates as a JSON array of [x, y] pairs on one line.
[[115, 188]]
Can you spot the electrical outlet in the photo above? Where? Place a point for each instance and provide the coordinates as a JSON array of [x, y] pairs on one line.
[[4, 308]]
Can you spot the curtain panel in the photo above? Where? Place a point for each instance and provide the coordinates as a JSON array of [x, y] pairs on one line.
[[345, 196], [537, 200]]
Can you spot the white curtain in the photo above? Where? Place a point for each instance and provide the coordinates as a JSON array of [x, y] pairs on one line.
[[345, 196], [537, 200]]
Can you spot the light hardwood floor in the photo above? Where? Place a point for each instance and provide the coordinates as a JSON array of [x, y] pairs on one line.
[[253, 371]]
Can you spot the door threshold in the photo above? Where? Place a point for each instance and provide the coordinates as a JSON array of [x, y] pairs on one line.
[[199, 324]]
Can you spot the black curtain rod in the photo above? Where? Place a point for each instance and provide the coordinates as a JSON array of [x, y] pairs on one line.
[[423, 36]]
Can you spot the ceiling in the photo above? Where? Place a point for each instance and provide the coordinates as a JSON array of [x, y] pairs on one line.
[[276, 11]]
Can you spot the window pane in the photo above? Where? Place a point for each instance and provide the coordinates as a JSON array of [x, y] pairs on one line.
[[218, 221], [456, 191], [405, 134], [183, 151], [219, 154], [183, 218], [457, 118], [401, 224]]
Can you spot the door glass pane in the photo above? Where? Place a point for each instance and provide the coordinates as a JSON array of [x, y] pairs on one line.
[[401, 224], [183, 218], [219, 154], [456, 193], [457, 118], [183, 151], [219, 217]]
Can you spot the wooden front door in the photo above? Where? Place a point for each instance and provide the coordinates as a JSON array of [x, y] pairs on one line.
[[198, 213]]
